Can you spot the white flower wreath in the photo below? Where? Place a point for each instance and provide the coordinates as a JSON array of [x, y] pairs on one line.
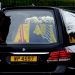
[[43, 19]]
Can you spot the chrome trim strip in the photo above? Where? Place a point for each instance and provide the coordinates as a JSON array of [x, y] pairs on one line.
[[29, 52], [26, 72]]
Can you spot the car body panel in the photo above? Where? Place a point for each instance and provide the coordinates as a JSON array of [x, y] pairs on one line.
[[39, 50]]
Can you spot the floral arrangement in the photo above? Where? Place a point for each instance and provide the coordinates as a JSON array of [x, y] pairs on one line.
[[43, 19]]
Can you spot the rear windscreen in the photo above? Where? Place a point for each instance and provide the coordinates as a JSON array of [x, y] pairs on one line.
[[31, 26]]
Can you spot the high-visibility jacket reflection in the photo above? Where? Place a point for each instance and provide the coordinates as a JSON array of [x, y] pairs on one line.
[[71, 39]]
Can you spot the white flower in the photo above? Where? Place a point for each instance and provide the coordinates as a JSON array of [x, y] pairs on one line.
[[27, 20], [43, 19]]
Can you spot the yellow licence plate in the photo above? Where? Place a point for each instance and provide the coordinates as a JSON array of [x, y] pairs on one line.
[[23, 58]]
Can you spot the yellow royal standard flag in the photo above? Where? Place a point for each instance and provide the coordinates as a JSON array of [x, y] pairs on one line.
[[23, 33], [35, 33]]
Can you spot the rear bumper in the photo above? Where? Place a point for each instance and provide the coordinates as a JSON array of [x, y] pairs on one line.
[[7, 67], [59, 69]]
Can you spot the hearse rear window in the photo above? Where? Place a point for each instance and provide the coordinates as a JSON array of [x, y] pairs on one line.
[[31, 26]]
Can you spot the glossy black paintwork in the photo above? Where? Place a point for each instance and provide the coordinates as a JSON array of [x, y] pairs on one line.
[[62, 35], [63, 41]]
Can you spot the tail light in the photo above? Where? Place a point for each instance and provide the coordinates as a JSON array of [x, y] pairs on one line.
[[63, 55]]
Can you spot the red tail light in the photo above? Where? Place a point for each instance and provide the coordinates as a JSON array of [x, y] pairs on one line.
[[63, 55]]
